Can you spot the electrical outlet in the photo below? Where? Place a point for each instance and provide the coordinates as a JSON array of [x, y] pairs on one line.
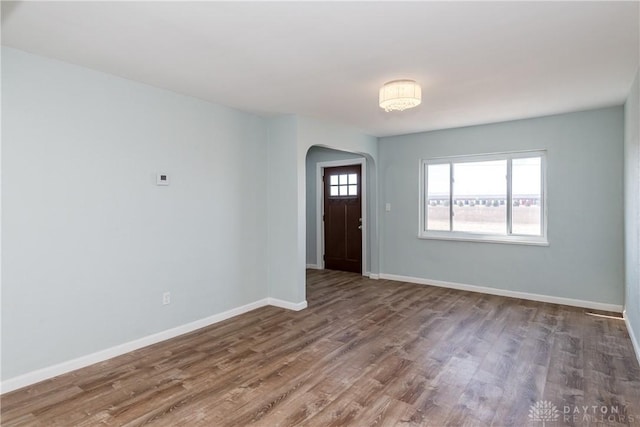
[[166, 298]]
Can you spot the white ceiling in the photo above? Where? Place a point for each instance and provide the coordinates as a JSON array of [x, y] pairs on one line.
[[477, 62]]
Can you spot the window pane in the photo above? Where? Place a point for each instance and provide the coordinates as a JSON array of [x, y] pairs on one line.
[[343, 190], [334, 190], [480, 196], [353, 178], [353, 190], [343, 179], [334, 180], [526, 186], [437, 209]]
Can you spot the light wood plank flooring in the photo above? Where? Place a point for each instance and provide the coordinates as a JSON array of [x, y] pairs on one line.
[[364, 353]]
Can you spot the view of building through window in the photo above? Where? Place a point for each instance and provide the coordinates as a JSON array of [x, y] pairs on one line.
[[526, 192], [479, 197], [472, 196]]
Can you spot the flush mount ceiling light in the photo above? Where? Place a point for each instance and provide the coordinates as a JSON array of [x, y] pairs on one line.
[[399, 95]]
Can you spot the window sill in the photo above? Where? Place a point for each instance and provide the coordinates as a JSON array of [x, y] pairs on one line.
[[468, 237]]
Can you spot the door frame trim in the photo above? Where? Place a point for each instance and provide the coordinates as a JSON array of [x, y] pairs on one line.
[[320, 166]]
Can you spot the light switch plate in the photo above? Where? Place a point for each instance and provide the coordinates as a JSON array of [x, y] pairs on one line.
[[162, 178], [387, 207]]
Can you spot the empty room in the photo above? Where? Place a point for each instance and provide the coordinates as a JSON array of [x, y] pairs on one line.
[[320, 213]]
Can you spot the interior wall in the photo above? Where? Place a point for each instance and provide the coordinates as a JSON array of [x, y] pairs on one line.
[[289, 140], [90, 243], [584, 259], [313, 132], [291, 137], [632, 211], [283, 234], [316, 155]]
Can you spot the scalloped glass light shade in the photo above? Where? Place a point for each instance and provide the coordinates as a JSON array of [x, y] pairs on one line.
[[398, 95]]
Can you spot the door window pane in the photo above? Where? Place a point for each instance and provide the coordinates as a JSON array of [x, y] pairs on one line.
[[438, 188], [343, 185], [526, 186], [480, 196]]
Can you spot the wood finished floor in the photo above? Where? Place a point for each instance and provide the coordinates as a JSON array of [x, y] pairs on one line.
[[364, 353]]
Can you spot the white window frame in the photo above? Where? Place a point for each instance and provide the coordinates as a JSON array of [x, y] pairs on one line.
[[509, 238]]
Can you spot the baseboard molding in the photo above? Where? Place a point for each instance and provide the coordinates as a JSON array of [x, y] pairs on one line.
[[118, 350], [632, 334], [314, 267], [295, 306], [372, 276], [506, 293]]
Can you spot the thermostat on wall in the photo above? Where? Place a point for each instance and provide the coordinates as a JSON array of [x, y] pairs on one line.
[[162, 178]]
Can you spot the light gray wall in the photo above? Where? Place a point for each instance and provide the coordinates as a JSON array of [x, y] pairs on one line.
[[284, 261], [632, 208], [290, 137], [89, 241], [585, 258], [313, 132], [314, 156]]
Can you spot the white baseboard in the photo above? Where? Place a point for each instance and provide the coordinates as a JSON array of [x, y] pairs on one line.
[[372, 276], [313, 267], [632, 334], [295, 306], [109, 353], [506, 293]]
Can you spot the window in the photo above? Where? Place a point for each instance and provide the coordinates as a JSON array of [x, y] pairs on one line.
[[343, 185], [494, 198]]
